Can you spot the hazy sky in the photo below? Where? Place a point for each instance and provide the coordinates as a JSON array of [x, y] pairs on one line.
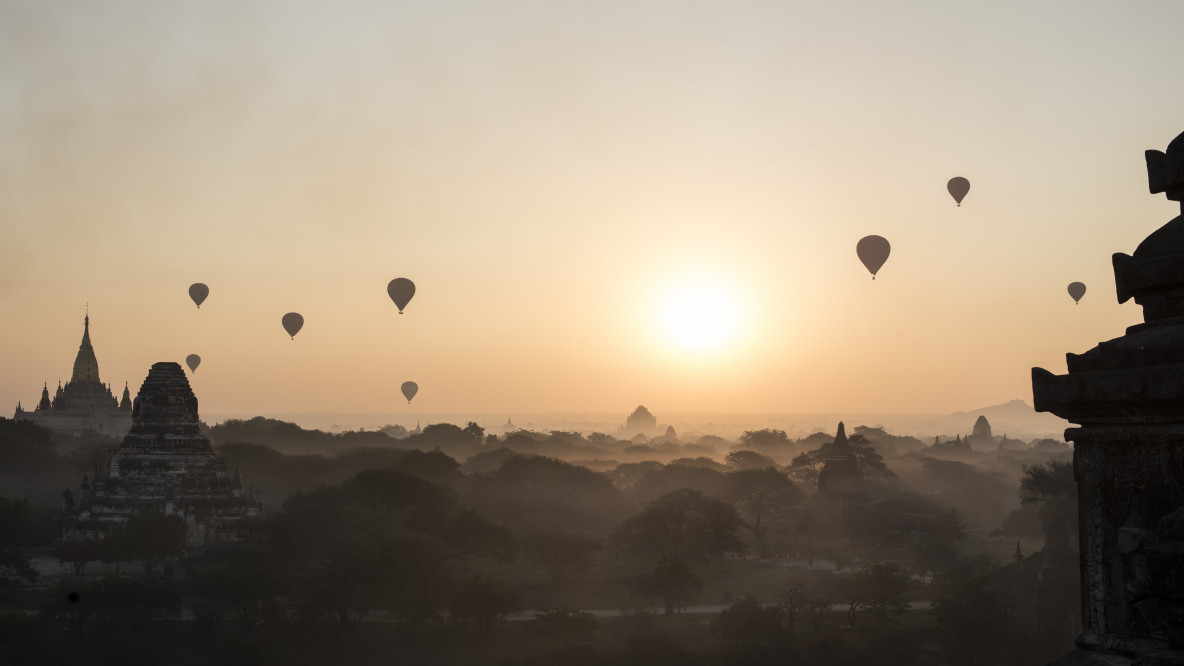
[[601, 203]]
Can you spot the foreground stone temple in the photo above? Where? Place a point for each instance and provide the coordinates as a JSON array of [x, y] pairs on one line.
[[1127, 397], [84, 404], [164, 465]]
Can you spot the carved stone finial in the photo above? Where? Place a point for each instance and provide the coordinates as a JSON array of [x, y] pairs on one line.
[[1165, 170]]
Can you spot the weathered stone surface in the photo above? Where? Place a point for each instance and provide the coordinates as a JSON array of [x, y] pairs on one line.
[[1127, 395], [165, 465]]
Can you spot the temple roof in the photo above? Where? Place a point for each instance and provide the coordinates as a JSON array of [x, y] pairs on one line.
[[86, 366]]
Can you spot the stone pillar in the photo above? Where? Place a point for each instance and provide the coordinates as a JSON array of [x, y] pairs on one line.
[[1127, 397]]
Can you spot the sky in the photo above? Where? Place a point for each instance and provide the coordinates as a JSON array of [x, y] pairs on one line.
[[602, 204]]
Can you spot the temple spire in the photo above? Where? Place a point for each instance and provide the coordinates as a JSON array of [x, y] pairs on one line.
[[86, 366]]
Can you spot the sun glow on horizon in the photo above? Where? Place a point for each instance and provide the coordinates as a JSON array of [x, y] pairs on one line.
[[699, 316]]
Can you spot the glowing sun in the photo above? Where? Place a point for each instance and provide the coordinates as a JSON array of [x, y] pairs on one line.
[[699, 316]]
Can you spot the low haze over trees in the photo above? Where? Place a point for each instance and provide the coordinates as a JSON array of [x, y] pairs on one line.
[[461, 540]]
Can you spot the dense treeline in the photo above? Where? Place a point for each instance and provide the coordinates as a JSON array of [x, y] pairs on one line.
[[424, 547]]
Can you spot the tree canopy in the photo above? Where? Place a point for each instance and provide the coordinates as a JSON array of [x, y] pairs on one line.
[[682, 525]]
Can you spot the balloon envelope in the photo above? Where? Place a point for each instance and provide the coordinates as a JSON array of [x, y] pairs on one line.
[[401, 290], [293, 322], [958, 187], [409, 390], [193, 360], [873, 252], [1077, 290], [198, 292]]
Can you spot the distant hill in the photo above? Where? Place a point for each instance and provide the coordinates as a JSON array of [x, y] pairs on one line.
[[1015, 418]]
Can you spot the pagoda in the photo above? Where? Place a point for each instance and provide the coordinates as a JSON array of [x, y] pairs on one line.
[[1126, 396], [164, 465], [85, 403]]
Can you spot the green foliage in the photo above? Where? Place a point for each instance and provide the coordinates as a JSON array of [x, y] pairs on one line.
[[78, 553], [878, 589], [748, 623], [901, 519], [16, 571], [539, 493], [759, 493], [563, 554], [745, 459], [682, 525], [484, 600], [376, 542], [22, 524], [1052, 480], [973, 618], [151, 538], [673, 477], [673, 582], [1052, 489], [235, 584]]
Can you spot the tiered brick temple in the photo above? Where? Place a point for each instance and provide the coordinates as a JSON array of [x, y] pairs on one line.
[[84, 403], [164, 465], [1127, 396]]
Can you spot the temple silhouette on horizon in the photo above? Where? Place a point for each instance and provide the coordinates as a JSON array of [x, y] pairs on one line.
[[85, 403]]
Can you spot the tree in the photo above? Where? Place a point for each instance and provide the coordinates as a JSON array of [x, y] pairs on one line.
[[537, 493], [672, 477], [379, 541], [153, 538], [809, 599], [682, 525], [757, 493], [972, 619], [1052, 488], [485, 600], [671, 581], [474, 431], [773, 442], [78, 553], [878, 589], [16, 571], [748, 623], [744, 459], [435, 466], [234, 583], [563, 554]]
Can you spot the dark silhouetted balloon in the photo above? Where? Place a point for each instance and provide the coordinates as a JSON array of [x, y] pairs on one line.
[[293, 322], [198, 292], [401, 290], [873, 252], [409, 390], [193, 360], [1077, 290], [958, 187]]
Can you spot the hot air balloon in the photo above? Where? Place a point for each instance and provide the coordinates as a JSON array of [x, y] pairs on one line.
[[1077, 290], [198, 292], [293, 322], [873, 252], [958, 187], [409, 390], [401, 290], [193, 360]]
